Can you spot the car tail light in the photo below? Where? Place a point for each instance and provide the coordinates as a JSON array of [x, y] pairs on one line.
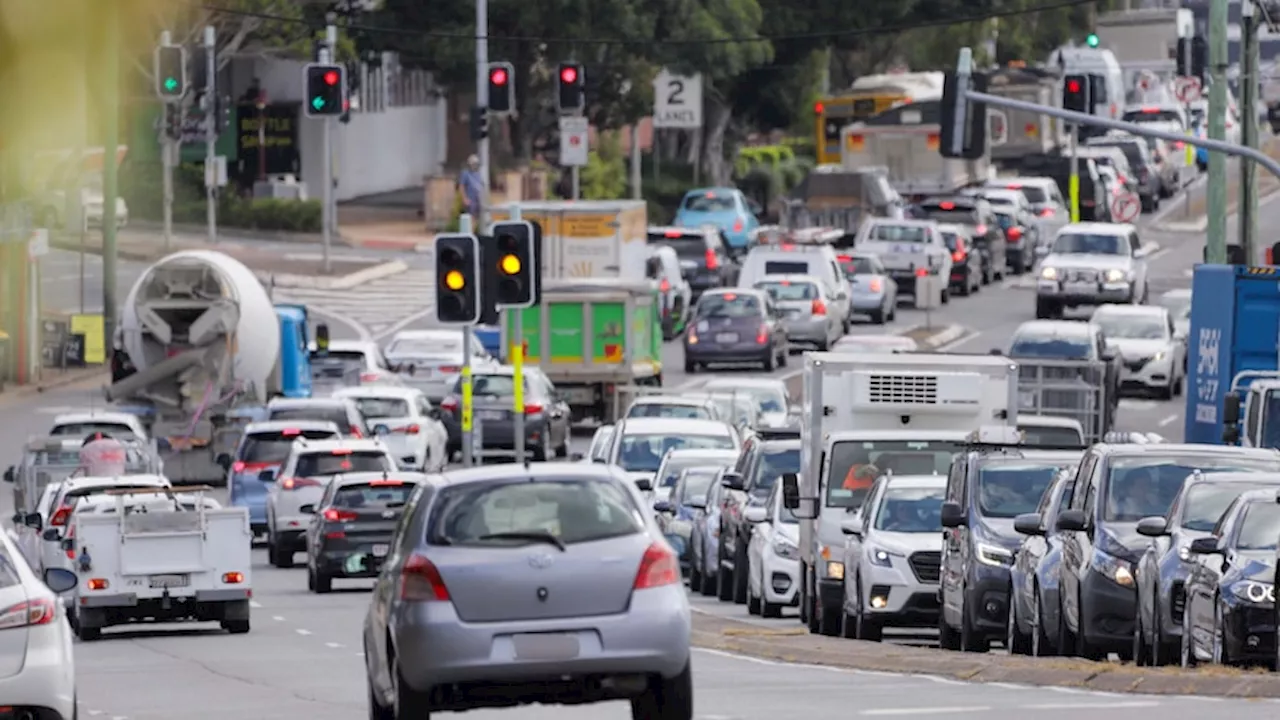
[[368, 377], [290, 432], [981, 230], [876, 285], [71, 548], [658, 567], [412, 430], [1015, 234], [61, 516], [1014, 186], [98, 584], [447, 369], [532, 408], [947, 205], [1047, 212], [296, 483], [960, 253], [737, 225], [762, 336], [233, 578], [449, 404], [665, 285], [819, 308], [41, 611], [420, 581], [844, 258], [386, 483], [672, 233], [237, 467], [333, 515], [713, 262]]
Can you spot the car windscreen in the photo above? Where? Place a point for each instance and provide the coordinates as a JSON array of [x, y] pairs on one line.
[[1051, 436], [1205, 502], [1004, 220], [1127, 326], [273, 447], [1007, 490], [1055, 347], [687, 246], [377, 494], [85, 429], [766, 399], [697, 481], [855, 465], [352, 356], [642, 452], [789, 290], [1260, 528], [728, 305], [669, 410], [1089, 244], [377, 408], [1132, 151], [910, 510], [672, 468], [1144, 486], [786, 267], [336, 414], [509, 513], [708, 202], [341, 462], [773, 465], [435, 346]]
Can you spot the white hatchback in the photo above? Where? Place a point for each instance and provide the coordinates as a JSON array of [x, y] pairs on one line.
[[406, 422], [37, 667]]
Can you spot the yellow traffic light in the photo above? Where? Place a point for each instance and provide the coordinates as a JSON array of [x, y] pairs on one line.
[[510, 264], [454, 280]]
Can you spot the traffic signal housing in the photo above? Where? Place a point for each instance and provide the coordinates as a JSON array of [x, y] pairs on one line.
[[1193, 57], [1076, 95], [170, 72], [459, 284], [515, 263], [569, 82], [326, 89], [501, 83], [974, 128], [479, 123]]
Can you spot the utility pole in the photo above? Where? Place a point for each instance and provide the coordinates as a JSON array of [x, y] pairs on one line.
[[211, 130], [482, 101], [166, 158], [110, 141], [1216, 242], [469, 455], [327, 54], [1249, 64]]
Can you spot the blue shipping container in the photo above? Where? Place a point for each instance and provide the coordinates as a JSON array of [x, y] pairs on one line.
[[1235, 326]]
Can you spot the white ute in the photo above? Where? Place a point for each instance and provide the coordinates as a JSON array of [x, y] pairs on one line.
[[163, 555]]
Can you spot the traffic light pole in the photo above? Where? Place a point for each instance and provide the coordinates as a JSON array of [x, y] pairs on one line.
[[211, 131], [166, 163], [468, 404], [1216, 250], [1249, 62], [110, 141], [326, 174], [482, 101]]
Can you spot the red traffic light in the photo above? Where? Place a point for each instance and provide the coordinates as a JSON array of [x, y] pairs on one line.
[[498, 76], [818, 108], [1073, 86], [331, 77], [569, 74]]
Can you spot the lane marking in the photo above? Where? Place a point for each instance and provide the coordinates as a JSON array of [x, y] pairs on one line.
[[333, 645], [1157, 254], [1165, 422], [1091, 706], [278, 618], [302, 631], [882, 712], [255, 604], [958, 342]]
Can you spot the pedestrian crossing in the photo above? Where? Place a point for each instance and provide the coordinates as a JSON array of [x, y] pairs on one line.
[[379, 307]]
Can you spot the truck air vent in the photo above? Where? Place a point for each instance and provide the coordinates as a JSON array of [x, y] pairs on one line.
[[902, 389]]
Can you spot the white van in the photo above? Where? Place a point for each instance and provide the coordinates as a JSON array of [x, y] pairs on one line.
[[1109, 94], [817, 260]]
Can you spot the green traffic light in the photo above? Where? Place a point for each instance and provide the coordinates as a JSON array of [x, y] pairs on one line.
[[317, 103], [1092, 40], [171, 84]]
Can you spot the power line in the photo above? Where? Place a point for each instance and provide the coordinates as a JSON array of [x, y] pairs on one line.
[[830, 35]]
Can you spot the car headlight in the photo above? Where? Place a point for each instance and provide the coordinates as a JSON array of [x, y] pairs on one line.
[[1117, 275], [835, 570], [1158, 356], [1184, 554], [880, 557], [1113, 568], [1049, 273], [994, 555], [785, 549], [1259, 593]]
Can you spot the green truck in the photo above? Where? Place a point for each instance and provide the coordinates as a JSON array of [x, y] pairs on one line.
[[592, 337]]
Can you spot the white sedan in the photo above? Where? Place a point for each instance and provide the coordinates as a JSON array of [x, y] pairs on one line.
[[773, 557], [406, 422], [37, 667], [1153, 353]]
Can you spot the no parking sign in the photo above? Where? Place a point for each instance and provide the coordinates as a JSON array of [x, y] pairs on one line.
[[1126, 207]]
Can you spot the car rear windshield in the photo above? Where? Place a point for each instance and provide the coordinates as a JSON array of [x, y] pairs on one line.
[[786, 267], [435, 346], [786, 290], [334, 414], [855, 465], [1004, 220], [511, 513], [728, 305], [1036, 345], [9, 576], [1051, 437], [1261, 527], [960, 216], [856, 265], [1006, 490], [675, 465], [341, 462], [898, 234], [708, 202], [684, 245], [1205, 502], [950, 239], [274, 447], [74, 496], [80, 430], [376, 494], [346, 355], [376, 408], [491, 385], [1144, 486], [669, 410], [773, 465]]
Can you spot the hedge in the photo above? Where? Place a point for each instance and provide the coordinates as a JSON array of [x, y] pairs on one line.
[[141, 187]]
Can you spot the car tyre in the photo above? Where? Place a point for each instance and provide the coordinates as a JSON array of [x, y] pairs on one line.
[[409, 703], [377, 711], [753, 602], [87, 633], [724, 580], [740, 570], [970, 639], [946, 296], [318, 582], [784, 357], [690, 367], [1018, 642], [236, 627], [1161, 653], [948, 638], [877, 317], [666, 698], [770, 361], [963, 290], [695, 571], [1046, 309], [277, 555]]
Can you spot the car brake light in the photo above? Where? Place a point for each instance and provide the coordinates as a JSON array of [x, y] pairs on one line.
[[1150, 110], [60, 517], [729, 297], [339, 515], [1015, 234], [420, 581], [532, 408], [447, 369], [368, 377], [982, 230], [449, 404], [1047, 212], [412, 430], [787, 246], [295, 483], [658, 568], [40, 611], [341, 451], [762, 337], [737, 225], [947, 205], [384, 483], [875, 285], [71, 549], [290, 432], [1014, 186], [844, 258], [713, 262], [672, 233], [237, 467], [98, 584], [819, 308], [958, 256], [356, 434], [665, 285]]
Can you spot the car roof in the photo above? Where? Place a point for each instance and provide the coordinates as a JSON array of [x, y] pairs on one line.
[[1057, 328], [77, 483], [1021, 180], [1260, 495], [1234, 477], [789, 278], [377, 391], [692, 401], [367, 346], [1223, 451], [905, 222], [534, 471], [306, 402], [1020, 453], [76, 417], [722, 384], [700, 231], [735, 290], [788, 443], [327, 445], [1098, 228], [282, 425], [1136, 310], [701, 452], [427, 334], [954, 229], [916, 481], [675, 426]]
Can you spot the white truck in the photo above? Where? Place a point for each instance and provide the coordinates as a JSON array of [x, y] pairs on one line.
[[162, 555], [1026, 133], [871, 414], [906, 141], [588, 239], [907, 248]]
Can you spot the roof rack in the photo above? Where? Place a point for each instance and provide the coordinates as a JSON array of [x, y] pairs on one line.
[[1122, 437]]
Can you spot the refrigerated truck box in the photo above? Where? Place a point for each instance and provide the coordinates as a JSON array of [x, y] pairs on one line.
[[588, 239], [1235, 327]]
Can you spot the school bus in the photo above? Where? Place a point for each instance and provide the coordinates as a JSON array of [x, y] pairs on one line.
[[869, 95]]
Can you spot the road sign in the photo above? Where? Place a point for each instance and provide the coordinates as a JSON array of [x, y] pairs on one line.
[[1126, 207], [677, 101], [573, 141], [1187, 89], [38, 244]]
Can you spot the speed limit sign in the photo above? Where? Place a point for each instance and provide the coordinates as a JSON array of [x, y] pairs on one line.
[[1126, 207]]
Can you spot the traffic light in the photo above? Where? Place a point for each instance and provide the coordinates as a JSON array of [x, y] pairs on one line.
[[1076, 95], [515, 263], [171, 72], [326, 89], [501, 83], [479, 123], [569, 81], [974, 130], [173, 121], [458, 280], [1193, 57], [1092, 40]]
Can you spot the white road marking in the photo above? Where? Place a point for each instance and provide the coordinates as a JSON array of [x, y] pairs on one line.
[[278, 618], [1091, 706], [333, 645], [255, 604], [95, 713], [1157, 254], [1137, 405], [958, 342], [1165, 422], [884, 712], [302, 631]]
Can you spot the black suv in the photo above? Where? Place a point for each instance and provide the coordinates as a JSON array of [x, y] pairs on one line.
[[705, 261], [1138, 154], [748, 483], [986, 489], [975, 213]]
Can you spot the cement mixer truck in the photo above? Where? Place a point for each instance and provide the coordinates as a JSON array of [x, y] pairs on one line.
[[195, 328]]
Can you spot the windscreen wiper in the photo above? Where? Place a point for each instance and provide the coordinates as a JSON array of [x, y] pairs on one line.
[[531, 535]]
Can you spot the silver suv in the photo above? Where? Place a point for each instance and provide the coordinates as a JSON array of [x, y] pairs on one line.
[[1091, 264]]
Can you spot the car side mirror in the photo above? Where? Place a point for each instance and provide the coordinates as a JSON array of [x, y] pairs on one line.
[[267, 476], [1154, 526], [10, 474], [755, 514], [953, 515], [1204, 546], [381, 430], [732, 481], [50, 534], [1231, 409], [696, 503], [1110, 353], [307, 509], [1072, 521], [1028, 524], [224, 462], [663, 506], [68, 544], [33, 521], [60, 580], [851, 526], [644, 484]]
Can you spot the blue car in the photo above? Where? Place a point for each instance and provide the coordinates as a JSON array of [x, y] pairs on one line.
[[725, 208], [263, 448]]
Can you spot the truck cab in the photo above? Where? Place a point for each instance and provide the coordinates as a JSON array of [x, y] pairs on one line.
[[1251, 413], [295, 359], [872, 414]]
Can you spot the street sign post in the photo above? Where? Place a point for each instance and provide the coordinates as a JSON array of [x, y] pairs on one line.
[[573, 141], [677, 101]]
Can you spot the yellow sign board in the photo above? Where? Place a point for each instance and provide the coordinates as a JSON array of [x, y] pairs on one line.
[[95, 345]]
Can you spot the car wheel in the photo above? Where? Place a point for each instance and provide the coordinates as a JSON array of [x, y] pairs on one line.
[[1041, 644], [319, 582], [666, 698], [753, 600], [695, 571], [409, 703], [1161, 653], [690, 367], [236, 627], [377, 711], [946, 296], [877, 317], [869, 628], [948, 638], [724, 579], [1018, 642], [279, 557], [740, 570]]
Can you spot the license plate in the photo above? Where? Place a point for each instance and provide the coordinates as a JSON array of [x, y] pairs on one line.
[[727, 337], [1082, 288], [170, 581], [490, 414], [545, 646], [380, 551]]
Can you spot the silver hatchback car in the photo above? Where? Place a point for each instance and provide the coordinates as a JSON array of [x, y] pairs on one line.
[[809, 316], [511, 585]]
